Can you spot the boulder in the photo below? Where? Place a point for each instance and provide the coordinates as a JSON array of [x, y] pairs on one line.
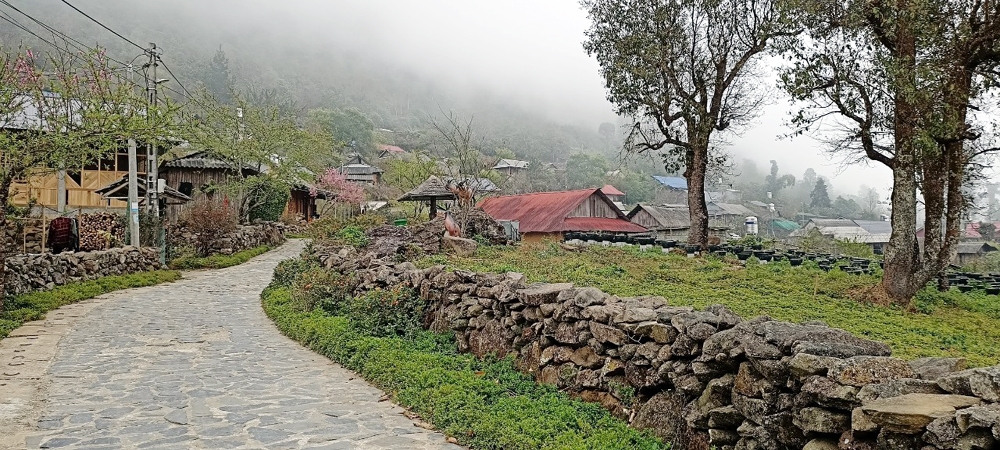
[[539, 293], [658, 332], [803, 364], [607, 334], [934, 368], [820, 420], [895, 388], [821, 444], [864, 370], [910, 413]]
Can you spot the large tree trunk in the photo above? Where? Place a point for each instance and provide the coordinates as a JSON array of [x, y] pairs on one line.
[[697, 166], [902, 259]]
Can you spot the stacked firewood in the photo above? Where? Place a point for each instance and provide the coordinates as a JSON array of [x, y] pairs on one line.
[[99, 231]]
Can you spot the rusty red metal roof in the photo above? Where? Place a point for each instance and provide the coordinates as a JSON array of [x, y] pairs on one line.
[[547, 212], [611, 190]]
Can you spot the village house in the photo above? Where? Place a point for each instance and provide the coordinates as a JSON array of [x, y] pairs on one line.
[[969, 252], [548, 215], [388, 151], [358, 171], [510, 167], [196, 175], [871, 232], [669, 222]]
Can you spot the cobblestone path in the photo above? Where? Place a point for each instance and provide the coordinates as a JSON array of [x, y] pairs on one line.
[[197, 365]]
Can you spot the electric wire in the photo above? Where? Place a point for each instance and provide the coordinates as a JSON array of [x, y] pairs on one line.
[[104, 26]]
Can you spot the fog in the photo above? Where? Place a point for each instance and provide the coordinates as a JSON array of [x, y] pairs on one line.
[[527, 53]]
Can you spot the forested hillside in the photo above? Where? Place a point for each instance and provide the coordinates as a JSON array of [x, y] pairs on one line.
[[287, 63]]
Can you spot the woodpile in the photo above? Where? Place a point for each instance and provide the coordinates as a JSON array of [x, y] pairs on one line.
[[100, 231]]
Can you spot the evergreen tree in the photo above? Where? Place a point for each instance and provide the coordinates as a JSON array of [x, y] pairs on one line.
[[819, 197], [218, 79]]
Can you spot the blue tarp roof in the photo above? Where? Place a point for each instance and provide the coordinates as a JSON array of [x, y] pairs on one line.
[[672, 182]]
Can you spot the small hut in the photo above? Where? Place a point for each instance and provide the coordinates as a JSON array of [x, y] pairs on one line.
[[431, 190], [119, 191]]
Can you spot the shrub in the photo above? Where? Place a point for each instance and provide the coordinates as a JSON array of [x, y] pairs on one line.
[[317, 287], [287, 270], [386, 313], [351, 230], [267, 198], [353, 235], [485, 404], [209, 220]]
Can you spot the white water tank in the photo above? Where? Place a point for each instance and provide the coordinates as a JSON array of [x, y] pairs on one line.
[[751, 224]]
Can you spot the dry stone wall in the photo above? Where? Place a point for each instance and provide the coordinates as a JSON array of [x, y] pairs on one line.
[[245, 237], [703, 378], [36, 272]]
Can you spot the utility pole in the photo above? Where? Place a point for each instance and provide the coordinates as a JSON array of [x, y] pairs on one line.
[[133, 195], [152, 177]]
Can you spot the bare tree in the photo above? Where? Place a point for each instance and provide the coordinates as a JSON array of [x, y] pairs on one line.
[[465, 164], [684, 71]]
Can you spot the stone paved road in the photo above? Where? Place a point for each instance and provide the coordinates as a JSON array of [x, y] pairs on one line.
[[197, 365]]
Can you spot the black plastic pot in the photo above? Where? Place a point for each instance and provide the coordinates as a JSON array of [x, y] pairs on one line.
[[795, 261]]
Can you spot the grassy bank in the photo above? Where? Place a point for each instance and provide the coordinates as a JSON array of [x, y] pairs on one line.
[[217, 261], [484, 404], [950, 324], [33, 306]]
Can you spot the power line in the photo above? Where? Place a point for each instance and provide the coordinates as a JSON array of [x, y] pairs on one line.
[[104, 26], [178, 80]]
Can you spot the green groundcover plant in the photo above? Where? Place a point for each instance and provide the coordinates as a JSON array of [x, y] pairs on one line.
[[191, 262], [485, 404]]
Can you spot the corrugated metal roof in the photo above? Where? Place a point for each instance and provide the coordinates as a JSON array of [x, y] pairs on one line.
[[875, 226], [728, 209], [611, 190], [973, 248], [359, 169], [667, 218], [511, 164], [547, 212], [672, 182], [786, 225]]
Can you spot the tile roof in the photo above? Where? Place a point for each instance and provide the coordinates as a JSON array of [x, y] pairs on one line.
[[202, 160], [547, 212]]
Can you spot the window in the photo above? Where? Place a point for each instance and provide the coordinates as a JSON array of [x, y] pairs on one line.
[[186, 188]]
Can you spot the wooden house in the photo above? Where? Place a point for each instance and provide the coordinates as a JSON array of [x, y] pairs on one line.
[[547, 215], [511, 167], [76, 187], [196, 174], [358, 171], [669, 222]]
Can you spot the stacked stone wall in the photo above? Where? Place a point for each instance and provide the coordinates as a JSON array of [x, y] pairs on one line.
[[36, 272], [245, 237], [702, 378]]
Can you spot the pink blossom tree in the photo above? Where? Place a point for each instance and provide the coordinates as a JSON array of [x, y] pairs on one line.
[[338, 190]]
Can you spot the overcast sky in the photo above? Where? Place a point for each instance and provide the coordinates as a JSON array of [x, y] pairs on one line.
[[529, 51]]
